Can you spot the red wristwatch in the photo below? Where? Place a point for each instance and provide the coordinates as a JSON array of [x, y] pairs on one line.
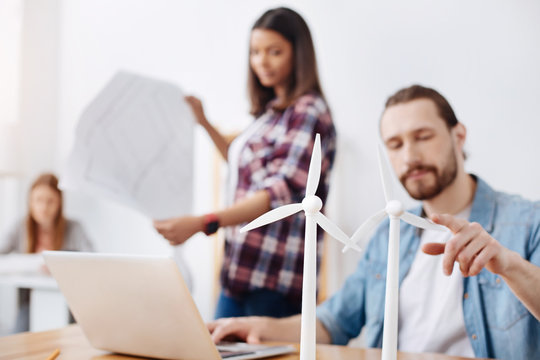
[[211, 224]]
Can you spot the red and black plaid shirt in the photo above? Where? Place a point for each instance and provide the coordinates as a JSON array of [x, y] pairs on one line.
[[276, 158]]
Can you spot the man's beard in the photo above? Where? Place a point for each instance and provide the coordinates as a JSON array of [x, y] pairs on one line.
[[422, 191]]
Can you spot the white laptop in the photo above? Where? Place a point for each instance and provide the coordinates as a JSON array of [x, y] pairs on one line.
[[140, 305]]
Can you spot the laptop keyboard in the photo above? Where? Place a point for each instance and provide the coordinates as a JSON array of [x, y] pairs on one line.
[[230, 349], [233, 349], [227, 354]]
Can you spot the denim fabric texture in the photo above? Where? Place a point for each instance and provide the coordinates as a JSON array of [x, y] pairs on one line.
[[498, 324], [260, 302]]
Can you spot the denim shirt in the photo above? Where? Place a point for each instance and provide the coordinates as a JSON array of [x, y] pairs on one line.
[[497, 323]]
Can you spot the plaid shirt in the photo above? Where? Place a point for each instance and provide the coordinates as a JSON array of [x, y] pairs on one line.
[[276, 158]]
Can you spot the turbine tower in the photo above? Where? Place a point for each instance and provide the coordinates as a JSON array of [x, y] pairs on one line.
[[311, 206], [395, 210]]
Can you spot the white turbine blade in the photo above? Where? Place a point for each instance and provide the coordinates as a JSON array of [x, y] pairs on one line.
[[314, 172], [386, 176], [273, 215], [334, 231], [368, 226], [421, 222]]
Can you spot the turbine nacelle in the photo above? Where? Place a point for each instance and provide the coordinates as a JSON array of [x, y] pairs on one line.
[[311, 204], [394, 208]]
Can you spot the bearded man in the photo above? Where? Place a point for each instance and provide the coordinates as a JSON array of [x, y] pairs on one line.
[[473, 291]]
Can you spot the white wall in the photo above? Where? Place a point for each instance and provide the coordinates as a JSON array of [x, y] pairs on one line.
[[482, 55]]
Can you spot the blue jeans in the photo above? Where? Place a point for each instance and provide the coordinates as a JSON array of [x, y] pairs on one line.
[[257, 303]]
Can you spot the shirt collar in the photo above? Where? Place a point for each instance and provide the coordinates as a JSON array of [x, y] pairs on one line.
[[483, 206]]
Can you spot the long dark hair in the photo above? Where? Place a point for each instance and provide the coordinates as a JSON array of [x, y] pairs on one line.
[[304, 78], [51, 181]]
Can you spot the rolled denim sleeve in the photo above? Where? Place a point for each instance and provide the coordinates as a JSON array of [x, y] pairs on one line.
[[534, 240], [337, 335], [343, 315]]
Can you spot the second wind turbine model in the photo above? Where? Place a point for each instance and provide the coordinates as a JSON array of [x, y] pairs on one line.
[[311, 206], [395, 210]]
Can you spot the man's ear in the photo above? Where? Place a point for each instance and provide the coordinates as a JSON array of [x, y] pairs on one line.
[[459, 132]]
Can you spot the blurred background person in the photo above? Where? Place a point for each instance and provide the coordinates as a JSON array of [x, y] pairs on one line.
[[268, 164], [43, 228]]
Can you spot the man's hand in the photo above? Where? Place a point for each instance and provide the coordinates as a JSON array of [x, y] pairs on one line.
[[471, 246], [255, 329], [248, 329], [178, 230]]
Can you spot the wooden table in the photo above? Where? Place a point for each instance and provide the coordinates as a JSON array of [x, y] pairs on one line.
[[73, 345]]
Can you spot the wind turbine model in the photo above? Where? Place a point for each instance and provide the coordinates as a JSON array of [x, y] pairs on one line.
[[311, 206], [395, 210]]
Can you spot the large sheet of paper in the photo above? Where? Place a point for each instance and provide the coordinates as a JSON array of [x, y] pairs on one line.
[[134, 145]]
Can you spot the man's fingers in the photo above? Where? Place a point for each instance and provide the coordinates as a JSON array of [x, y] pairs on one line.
[[211, 326], [456, 244], [467, 255], [253, 339], [453, 247], [224, 329], [451, 222], [433, 248], [470, 246], [481, 259], [218, 334]]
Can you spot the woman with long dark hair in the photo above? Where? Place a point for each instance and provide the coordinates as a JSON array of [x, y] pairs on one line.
[[43, 228], [268, 165]]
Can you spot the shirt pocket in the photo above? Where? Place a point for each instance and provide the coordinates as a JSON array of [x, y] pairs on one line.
[[376, 281], [502, 308]]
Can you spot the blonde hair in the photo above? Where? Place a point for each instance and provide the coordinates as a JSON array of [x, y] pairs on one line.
[[51, 181]]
